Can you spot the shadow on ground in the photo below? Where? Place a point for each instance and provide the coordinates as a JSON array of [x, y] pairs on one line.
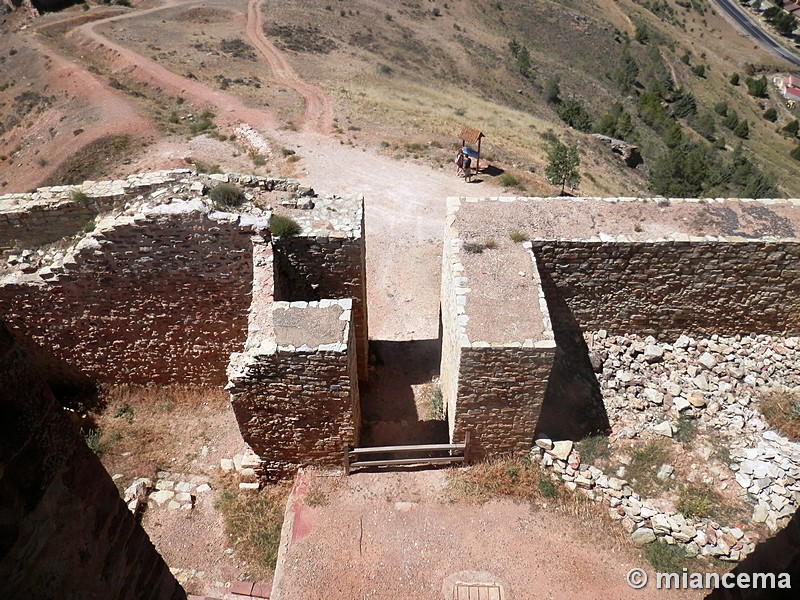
[[396, 403], [573, 403], [776, 555]]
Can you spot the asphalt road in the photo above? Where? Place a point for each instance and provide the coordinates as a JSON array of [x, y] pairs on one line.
[[754, 31]]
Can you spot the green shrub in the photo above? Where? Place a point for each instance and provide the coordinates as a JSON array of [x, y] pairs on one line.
[[508, 180], [771, 115], [547, 488], [281, 225], [757, 87], [226, 195], [92, 439], [795, 153], [574, 113], [742, 130], [734, 80], [78, 196]]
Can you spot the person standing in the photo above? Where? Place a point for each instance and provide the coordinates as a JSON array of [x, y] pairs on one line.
[[459, 164], [467, 166]]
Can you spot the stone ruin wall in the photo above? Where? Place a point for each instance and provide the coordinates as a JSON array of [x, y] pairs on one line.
[[666, 288], [333, 265], [499, 398], [64, 530], [494, 391], [166, 290], [52, 213], [693, 285], [298, 406], [161, 296]]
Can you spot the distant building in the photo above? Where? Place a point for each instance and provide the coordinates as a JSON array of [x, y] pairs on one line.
[[788, 86]]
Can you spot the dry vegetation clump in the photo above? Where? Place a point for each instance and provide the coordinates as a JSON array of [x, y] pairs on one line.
[[781, 409], [642, 471], [520, 479], [492, 479], [145, 429], [253, 522]]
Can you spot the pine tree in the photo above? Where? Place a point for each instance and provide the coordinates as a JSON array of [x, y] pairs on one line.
[[562, 166]]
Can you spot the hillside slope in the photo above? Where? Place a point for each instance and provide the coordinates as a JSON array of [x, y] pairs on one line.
[[403, 80]]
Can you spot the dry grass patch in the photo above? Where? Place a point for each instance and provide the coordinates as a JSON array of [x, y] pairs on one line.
[[253, 522], [645, 463], [141, 430], [781, 409], [519, 479]]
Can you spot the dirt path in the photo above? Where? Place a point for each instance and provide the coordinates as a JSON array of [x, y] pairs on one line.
[[230, 109], [94, 109], [318, 115]]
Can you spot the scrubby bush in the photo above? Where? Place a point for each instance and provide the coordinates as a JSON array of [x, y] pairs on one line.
[[573, 112], [281, 225], [226, 195], [508, 180]]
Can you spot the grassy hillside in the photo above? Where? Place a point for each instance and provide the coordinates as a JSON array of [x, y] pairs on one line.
[[412, 73], [406, 77]]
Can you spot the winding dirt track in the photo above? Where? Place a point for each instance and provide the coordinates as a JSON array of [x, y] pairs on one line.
[[229, 108], [318, 115]]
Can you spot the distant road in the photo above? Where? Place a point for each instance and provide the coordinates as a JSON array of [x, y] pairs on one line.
[[742, 19]]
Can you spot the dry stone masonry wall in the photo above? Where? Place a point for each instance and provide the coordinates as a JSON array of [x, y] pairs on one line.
[[499, 398], [165, 288], [493, 390], [327, 259], [715, 385], [665, 288], [297, 401], [160, 296], [52, 213], [64, 531]]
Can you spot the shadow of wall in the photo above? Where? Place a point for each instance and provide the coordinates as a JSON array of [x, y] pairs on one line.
[[778, 554], [573, 404], [64, 530]]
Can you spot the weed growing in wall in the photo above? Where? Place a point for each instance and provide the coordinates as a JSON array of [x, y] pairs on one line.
[[226, 196], [281, 225]]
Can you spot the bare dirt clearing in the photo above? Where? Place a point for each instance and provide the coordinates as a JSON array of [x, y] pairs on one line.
[[396, 535]]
